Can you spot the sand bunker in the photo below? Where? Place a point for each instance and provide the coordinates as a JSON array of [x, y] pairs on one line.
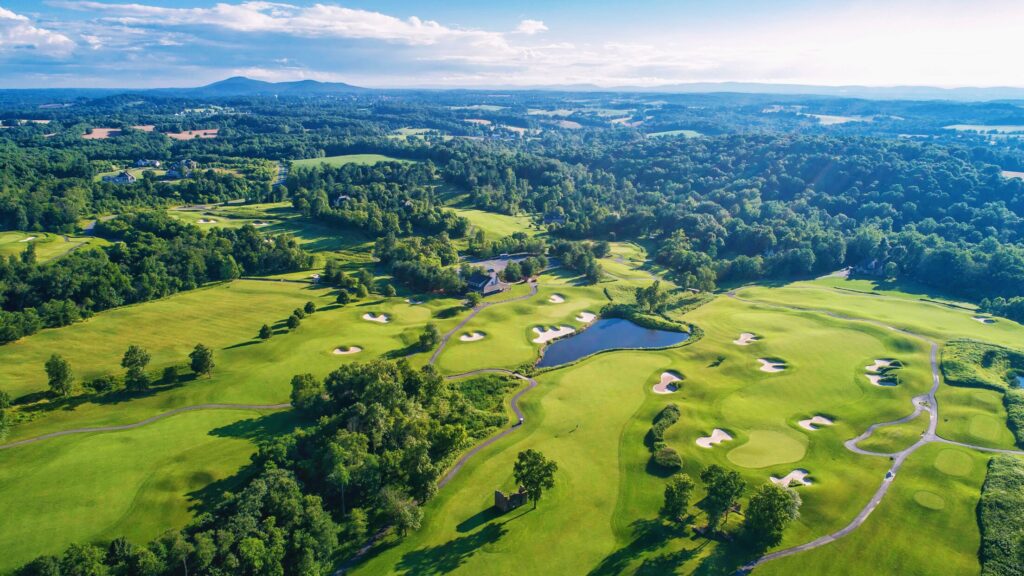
[[745, 339], [878, 365], [667, 385], [546, 334], [798, 476], [556, 299], [472, 337], [983, 320], [769, 366], [206, 221], [814, 423], [341, 350], [29, 239], [717, 437], [413, 301], [383, 318], [879, 380], [586, 317]]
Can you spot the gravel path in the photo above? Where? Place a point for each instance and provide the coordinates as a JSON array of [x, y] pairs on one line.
[[141, 423], [925, 402]]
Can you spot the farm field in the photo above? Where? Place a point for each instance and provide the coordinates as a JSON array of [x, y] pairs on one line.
[[48, 245], [365, 159], [668, 133]]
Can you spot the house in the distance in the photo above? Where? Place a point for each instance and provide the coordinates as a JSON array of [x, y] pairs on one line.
[[182, 169], [504, 503], [485, 283], [120, 178]]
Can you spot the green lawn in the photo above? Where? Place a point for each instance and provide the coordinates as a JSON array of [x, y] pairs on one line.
[[497, 225], [365, 159], [926, 524], [137, 483], [890, 439], [48, 245], [684, 133]]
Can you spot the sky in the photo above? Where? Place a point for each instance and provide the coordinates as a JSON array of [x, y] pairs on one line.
[[463, 43]]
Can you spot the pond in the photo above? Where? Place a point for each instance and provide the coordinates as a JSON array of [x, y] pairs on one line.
[[607, 334]]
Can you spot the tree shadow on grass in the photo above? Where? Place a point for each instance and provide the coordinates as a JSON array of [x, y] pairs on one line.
[[478, 519], [261, 428], [726, 560], [449, 312], [243, 344], [404, 351], [447, 557], [649, 535]]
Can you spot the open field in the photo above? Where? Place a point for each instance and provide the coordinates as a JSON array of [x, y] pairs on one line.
[[1001, 128], [194, 134], [137, 172], [138, 483], [217, 316], [497, 225], [684, 133], [365, 159], [48, 245]]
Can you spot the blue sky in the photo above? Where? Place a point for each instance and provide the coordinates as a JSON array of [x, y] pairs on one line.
[[459, 43]]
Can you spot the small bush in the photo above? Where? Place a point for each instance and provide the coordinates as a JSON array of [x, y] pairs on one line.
[[170, 375], [102, 384], [668, 458]]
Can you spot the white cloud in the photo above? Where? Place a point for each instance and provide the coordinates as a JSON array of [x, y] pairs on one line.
[[17, 33], [531, 27]]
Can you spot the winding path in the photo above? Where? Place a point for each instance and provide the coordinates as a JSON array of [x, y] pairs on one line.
[[476, 310], [141, 423], [924, 402]]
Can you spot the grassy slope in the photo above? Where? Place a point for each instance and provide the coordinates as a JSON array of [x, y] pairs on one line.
[[48, 245], [253, 371], [217, 316], [905, 534], [346, 159], [79, 488], [891, 439]]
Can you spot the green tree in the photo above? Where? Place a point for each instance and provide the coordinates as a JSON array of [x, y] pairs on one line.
[[293, 322], [5, 400], [362, 291], [473, 299], [298, 312], [343, 297], [723, 487], [83, 560], [770, 510], [309, 308], [389, 291], [534, 473], [401, 510], [134, 362], [201, 360], [430, 337], [58, 373], [266, 332], [170, 375], [677, 497], [307, 393]]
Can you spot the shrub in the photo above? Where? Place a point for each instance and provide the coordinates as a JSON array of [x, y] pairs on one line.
[[170, 375], [102, 384], [668, 458]]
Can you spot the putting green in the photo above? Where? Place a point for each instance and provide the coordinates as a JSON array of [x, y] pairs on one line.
[[768, 448], [929, 500], [953, 462]]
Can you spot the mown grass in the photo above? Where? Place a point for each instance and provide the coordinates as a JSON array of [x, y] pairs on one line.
[[137, 483], [364, 159], [48, 245], [926, 524], [890, 439]]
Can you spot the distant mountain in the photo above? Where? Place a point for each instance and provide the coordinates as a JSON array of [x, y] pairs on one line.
[[965, 94], [242, 86]]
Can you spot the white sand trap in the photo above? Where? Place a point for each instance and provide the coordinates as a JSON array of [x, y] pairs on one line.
[[548, 334], [342, 350], [717, 437], [815, 423], [877, 380], [981, 319], [799, 476], [206, 221], [383, 318], [769, 366], [745, 339], [413, 301], [586, 317], [878, 365], [472, 337], [667, 384], [29, 239], [556, 299]]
